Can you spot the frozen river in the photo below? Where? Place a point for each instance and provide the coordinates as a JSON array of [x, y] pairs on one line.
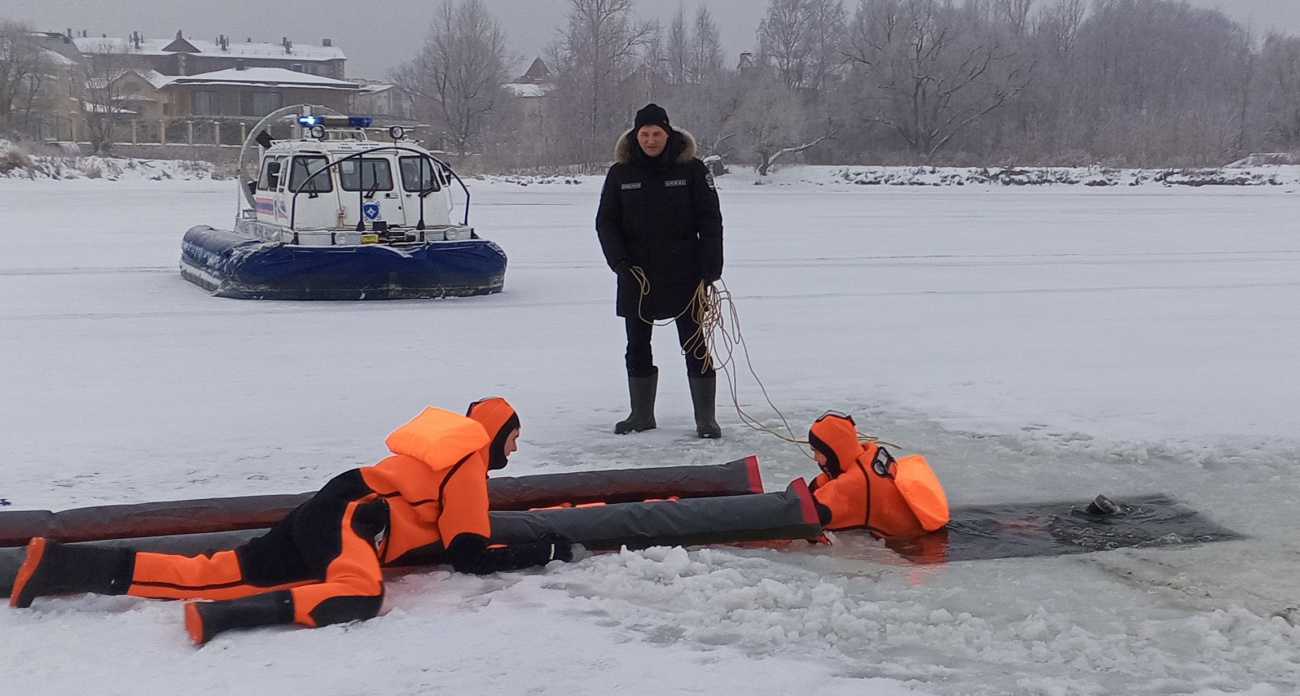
[[1036, 344]]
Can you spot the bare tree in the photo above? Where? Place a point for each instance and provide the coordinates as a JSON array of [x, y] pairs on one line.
[[1280, 77], [1037, 124], [708, 107], [1059, 25], [704, 55], [23, 69], [457, 76], [771, 122], [653, 58], [678, 49], [828, 27], [104, 99], [694, 51], [1014, 14], [1126, 82], [801, 40], [783, 40], [595, 52], [1161, 82], [932, 68]]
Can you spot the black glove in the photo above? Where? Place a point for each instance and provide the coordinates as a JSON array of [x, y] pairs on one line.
[[561, 548], [622, 267]]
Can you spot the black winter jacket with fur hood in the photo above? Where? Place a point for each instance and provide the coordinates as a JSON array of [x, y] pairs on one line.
[[661, 215]]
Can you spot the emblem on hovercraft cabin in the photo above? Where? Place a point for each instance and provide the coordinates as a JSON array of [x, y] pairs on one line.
[[370, 210]]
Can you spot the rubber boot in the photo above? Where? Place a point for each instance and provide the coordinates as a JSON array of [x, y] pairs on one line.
[[203, 620], [704, 392], [642, 391], [52, 568]]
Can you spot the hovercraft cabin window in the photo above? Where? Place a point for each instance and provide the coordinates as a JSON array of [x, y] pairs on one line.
[[417, 175], [310, 174], [366, 174], [270, 179]]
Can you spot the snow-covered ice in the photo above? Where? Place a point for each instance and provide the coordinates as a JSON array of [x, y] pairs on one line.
[[1035, 343]]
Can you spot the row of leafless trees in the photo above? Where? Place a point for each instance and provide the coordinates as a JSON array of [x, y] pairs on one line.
[[1124, 82], [38, 88], [24, 73]]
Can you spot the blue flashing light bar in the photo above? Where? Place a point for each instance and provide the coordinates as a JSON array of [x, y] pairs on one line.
[[309, 120]]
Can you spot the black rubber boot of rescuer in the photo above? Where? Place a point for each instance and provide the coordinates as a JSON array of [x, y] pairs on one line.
[[704, 394], [642, 391], [203, 620], [52, 568]]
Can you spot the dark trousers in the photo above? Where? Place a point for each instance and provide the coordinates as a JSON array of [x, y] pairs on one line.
[[640, 359]]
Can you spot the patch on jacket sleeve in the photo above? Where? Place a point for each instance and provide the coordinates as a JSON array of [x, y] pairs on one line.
[[708, 179], [674, 182], [633, 185]]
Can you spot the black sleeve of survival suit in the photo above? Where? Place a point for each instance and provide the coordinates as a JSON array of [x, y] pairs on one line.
[[469, 553]]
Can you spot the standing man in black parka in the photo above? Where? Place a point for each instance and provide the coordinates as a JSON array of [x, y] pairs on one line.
[[660, 227]]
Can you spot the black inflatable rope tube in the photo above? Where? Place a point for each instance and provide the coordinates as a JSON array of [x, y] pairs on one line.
[[784, 516], [200, 516], [788, 515]]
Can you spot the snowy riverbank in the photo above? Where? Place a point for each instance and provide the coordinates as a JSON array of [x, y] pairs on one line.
[[16, 163]]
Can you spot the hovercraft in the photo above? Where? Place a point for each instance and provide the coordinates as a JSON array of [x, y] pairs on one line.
[[334, 215]]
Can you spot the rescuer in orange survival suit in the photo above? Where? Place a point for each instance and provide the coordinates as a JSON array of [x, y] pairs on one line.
[[862, 486], [321, 563]]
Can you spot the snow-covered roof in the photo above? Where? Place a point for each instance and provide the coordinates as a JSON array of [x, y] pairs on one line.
[[154, 47], [263, 76], [155, 78], [528, 90], [56, 58], [537, 72], [104, 109], [374, 87]]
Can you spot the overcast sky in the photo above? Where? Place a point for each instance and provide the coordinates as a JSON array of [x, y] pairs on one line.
[[387, 32]]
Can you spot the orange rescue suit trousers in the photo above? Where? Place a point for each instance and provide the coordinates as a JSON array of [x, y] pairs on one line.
[[326, 551]]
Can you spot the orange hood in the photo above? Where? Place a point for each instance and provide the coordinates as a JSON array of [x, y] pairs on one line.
[[499, 419], [836, 437]]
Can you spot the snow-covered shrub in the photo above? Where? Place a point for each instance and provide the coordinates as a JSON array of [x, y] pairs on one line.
[[13, 158]]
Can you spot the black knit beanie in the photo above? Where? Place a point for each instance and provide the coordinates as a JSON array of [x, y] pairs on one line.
[[652, 115]]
